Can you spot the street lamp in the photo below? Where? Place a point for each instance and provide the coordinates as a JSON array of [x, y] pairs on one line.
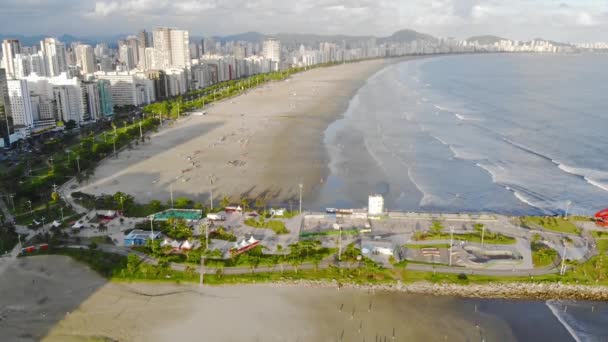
[[451, 244], [211, 179], [78, 163], [568, 203], [30, 204], [300, 186]]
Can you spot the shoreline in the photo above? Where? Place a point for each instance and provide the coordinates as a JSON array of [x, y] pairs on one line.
[[491, 290], [262, 143], [498, 290]]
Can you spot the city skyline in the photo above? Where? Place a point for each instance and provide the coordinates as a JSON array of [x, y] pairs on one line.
[[568, 21]]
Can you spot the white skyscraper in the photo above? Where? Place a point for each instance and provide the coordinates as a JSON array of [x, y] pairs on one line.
[[173, 45], [21, 104], [10, 49], [23, 65], [272, 50], [54, 53], [85, 58], [126, 54]]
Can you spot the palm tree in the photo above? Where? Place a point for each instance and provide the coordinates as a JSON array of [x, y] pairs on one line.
[[225, 202], [244, 203], [259, 203]]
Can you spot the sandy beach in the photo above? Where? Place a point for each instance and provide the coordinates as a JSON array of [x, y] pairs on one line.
[[53, 298], [262, 143]]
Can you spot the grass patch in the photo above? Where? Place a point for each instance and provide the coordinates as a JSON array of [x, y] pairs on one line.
[[276, 226], [489, 238], [599, 234], [121, 268], [556, 224], [221, 234], [101, 240], [542, 255]]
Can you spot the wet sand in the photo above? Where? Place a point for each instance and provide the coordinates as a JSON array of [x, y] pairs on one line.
[[262, 143], [68, 302], [38, 292], [145, 312]]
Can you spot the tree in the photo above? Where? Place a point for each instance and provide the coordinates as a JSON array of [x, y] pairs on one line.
[[71, 124], [183, 202], [259, 203], [244, 203], [436, 228], [54, 196], [225, 202], [178, 229], [155, 206], [132, 264]]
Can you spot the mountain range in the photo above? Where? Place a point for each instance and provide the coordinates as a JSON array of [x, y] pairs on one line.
[[288, 39]]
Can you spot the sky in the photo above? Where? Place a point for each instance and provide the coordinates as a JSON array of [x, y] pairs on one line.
[[563, 20]]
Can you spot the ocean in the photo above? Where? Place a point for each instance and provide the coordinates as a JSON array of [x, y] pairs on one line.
[[513, 134], [505, 133]]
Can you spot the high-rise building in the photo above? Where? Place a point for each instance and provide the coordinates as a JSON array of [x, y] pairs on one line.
[[133, 43], [6, 117], [173, 46], [91, 101], [21, 104], [126, 55], [10, 49], [128, 89], [101, 50], [23, 65], [85, 59], [54, 53], [105, 98], [272, 49], [65, 92], [145, 39]]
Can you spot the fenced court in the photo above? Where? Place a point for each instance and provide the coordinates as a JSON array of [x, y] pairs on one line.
[[184, 214]]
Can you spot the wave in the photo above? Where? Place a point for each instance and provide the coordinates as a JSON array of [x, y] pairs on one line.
[[523, 199], [441, 108], [595, 183], [460, 117], [568, 322], [588, 175], [581, 173]]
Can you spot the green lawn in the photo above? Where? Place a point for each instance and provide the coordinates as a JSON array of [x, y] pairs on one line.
[[600, 234], [556, 224], [277, 226], [542, 255], [489, 238], [122, 268]]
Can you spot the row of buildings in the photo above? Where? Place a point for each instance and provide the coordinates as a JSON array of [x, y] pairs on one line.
[[51, 82]]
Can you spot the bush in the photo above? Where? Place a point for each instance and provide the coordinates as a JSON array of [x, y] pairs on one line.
[[277, 226], [462, 276]]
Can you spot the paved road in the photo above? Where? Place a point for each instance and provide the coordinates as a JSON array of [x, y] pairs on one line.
[[458, 270]]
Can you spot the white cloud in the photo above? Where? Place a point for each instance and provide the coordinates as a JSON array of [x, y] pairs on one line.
[[103, 8], [585, 19], [520, 19]]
